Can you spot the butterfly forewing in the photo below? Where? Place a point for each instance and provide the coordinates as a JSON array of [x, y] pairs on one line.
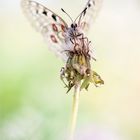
[[51, 26], [89, 14]]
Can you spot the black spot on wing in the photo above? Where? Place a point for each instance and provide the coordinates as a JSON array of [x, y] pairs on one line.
[[89, 5], [45, 13], [54, 17]]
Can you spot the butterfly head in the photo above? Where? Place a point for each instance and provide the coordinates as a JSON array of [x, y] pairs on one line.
[[74, 26]]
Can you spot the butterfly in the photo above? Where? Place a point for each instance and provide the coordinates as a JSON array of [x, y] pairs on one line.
[[60, 36]]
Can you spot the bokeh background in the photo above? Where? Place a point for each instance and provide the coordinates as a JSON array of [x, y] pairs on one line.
[[33, 103]]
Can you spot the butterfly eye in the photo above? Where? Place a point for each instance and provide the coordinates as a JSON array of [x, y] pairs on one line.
[[72, 26]]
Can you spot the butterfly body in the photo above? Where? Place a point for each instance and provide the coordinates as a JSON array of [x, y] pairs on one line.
[[74, 38]]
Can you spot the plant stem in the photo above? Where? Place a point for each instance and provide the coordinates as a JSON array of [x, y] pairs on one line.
[[75, 110]]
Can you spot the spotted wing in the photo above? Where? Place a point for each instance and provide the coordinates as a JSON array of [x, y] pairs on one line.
[[89, 14], [48, 23]]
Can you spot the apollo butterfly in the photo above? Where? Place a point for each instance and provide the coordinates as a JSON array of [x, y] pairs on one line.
[[67, 41], [54, 29]]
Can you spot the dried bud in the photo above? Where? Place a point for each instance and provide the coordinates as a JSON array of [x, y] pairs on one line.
[[78, 69]]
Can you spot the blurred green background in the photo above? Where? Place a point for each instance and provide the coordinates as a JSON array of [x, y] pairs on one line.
[[33, 103]]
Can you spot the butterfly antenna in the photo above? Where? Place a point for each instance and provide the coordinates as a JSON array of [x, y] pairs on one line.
[[80, 15], [67, 14]]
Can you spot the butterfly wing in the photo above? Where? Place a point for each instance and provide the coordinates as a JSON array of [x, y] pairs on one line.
[[52, 27], [89, 14]]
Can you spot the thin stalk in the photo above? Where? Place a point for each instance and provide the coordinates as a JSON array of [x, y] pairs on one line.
[[74, 110]]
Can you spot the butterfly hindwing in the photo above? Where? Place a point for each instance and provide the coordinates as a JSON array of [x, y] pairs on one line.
[[89, 14], [48, 23]]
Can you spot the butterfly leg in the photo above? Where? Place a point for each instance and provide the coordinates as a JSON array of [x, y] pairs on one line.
[[71, 41], [76, 50], [85, 45]]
